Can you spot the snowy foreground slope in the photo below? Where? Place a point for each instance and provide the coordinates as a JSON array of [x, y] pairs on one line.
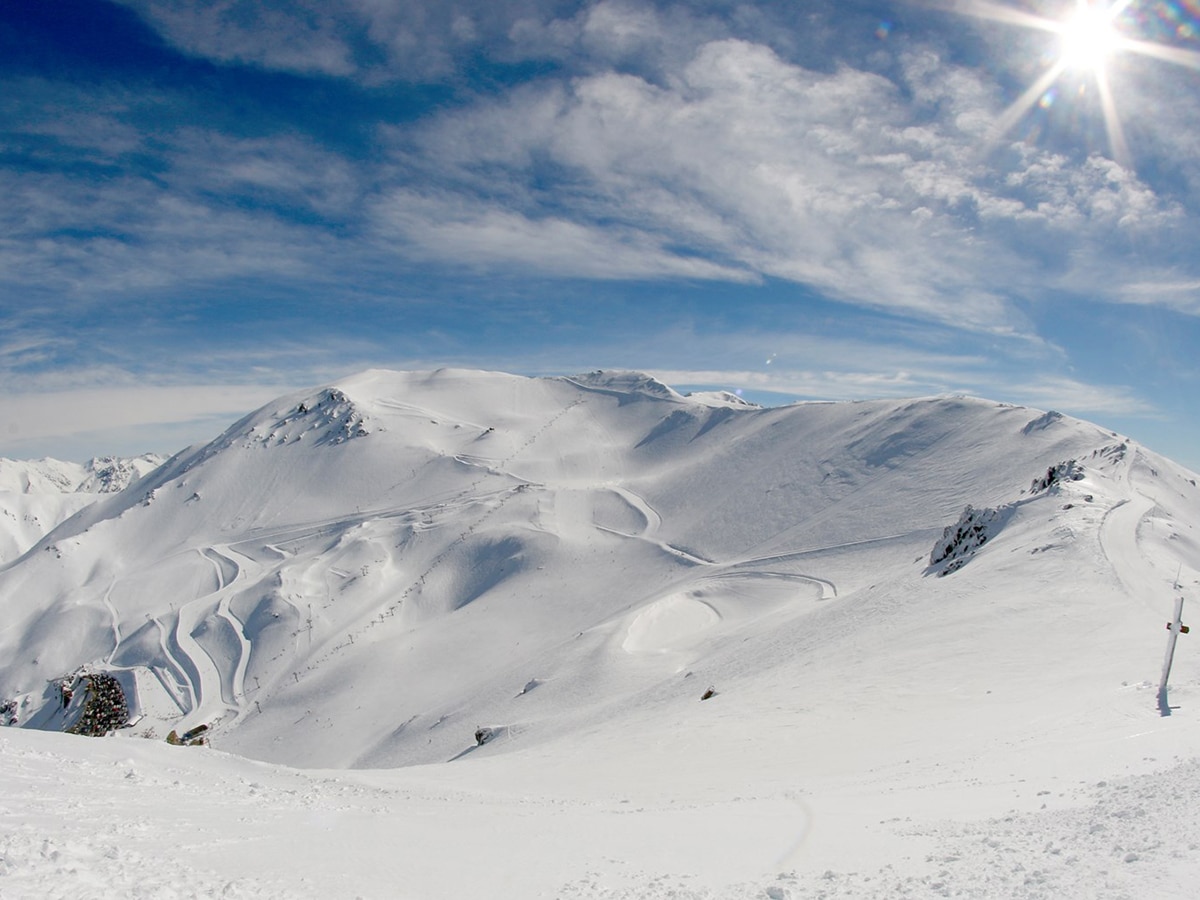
[[367, 579]]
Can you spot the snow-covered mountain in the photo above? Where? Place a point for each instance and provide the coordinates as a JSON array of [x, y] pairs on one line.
[[588, 585], [36, 495]]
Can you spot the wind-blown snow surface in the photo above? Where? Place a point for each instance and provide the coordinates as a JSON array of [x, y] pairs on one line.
[[359, 577]]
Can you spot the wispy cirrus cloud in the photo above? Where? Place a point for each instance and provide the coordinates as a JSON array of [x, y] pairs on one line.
[[294, 37], [832, 179], [370, 40], [1179, 294], [457, 230]]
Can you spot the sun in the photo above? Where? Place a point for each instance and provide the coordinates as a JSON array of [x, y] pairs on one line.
[[1089, 37]]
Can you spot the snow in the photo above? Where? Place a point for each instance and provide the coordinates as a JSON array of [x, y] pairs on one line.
[[350, 582]]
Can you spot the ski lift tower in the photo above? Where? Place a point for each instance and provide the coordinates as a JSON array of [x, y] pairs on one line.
[[1176, 628]]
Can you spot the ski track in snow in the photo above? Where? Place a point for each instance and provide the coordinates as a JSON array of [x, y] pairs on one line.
[[654, 523], [215, 689], [116, 625], [238, 687], [200, 668], [638, 502], [182, 680], [1120, 536]]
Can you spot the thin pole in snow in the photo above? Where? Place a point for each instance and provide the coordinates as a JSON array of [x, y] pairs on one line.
[[1176, 628]]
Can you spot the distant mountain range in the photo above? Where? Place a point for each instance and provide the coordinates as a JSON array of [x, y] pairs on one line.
[[35, 495]]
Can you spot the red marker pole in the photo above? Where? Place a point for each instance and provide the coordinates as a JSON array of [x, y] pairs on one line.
[[1176, 628]]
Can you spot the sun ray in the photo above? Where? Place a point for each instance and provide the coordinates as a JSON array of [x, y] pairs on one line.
[[1090, 36], [983, 9], [1112, 121], [1026, 102], [1189, 59]]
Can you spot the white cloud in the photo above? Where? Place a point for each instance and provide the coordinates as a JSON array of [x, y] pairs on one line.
[[476, 235], [283, 170], [369, 40], [1081, 398], [215, 208], [298, 36], [837, 180], [1182, 295]]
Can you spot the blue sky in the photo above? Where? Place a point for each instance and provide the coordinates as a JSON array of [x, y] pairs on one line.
[[209, 204]]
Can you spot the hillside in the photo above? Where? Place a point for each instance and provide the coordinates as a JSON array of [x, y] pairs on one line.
[[538, 580]]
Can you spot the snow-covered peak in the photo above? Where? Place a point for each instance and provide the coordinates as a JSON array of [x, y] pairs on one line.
[[722, 399], [1044, 421], [100, 475], [634, 383], [109, 474], [328, 416], [39, 476]]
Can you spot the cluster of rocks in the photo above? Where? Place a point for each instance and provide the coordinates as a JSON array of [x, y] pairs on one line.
[[104, 708], [1064, 471], [960, 540]]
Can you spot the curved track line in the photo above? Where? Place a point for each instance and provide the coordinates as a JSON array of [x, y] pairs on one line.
[[232, 574], [237, 685], [735, 571], [654, 523], [206, 688], [1118, 536], [213, 691], [116, 628], [181, 681], [638, 502]]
